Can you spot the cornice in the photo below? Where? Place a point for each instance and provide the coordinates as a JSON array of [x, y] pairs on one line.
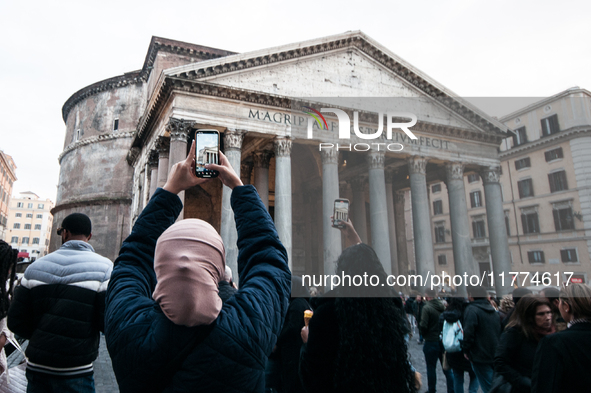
[[157, 44], [365, 46], [561, 136], [89, 202], [94, 139], [171, 85]]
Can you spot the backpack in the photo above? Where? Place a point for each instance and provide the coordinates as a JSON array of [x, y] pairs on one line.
[[451, 335]]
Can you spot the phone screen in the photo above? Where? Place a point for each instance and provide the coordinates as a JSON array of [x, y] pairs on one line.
[[341, 211], [206, 152]]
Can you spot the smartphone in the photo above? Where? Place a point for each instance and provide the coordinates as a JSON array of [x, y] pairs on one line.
[[341, 213], [207, 149]]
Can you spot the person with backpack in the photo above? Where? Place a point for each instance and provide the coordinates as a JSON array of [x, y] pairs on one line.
[[165, 325], [432, 348], [453, 328]]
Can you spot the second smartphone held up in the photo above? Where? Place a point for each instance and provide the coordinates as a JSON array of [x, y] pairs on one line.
[[341, 213], [207, 149]]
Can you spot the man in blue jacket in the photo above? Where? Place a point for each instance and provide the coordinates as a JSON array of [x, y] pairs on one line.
[[149, 352]]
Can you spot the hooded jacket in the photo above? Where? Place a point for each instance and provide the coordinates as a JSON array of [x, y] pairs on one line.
[[142, 341], [456, 360], [429, 326], [482, 329]]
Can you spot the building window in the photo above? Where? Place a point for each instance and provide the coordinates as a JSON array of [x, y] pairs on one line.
[[535, 257], [39, 216], [29, 206], [18, 215], [523, 163], [115, 124], [16, 226], [550, 125], [29, 215], [27, 226], [475, 199], [442, 259], [40, 206], [35, 240], [25, 240], [563, 219], [37, 227], [569, 255], [507, 224], [478, 229], [554, 154], [519, 136], [437, 207], [440, 234], [435, 188], [14, 239], [473, 177], [526, 188], [19, 204], [77, 135], [530, 223], [557, 181]]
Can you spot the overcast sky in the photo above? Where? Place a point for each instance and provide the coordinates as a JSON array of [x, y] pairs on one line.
[[51, 49]]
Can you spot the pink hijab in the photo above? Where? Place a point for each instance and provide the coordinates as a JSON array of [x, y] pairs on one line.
[[189, 261]]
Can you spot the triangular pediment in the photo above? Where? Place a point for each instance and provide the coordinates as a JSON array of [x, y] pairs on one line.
[[346, 65]]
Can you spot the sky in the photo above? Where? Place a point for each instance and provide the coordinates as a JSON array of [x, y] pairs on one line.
[[51, 49]]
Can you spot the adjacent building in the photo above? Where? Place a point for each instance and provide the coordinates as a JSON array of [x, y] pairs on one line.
[[545, 179], [7, 179], [29, 225]]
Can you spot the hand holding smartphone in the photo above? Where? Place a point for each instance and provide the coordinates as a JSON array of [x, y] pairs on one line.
[[207, 149], [341, 213]]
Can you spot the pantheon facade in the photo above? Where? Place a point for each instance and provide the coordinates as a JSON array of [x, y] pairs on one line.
[[124, 134]]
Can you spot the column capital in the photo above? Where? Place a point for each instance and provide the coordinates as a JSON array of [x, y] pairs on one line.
[[330, 156], [357, 183], [153, 158], [245, 170], [179, 129], [163, 146], [262, 158], [491, 174], [282, 147], [454, 170], [233, 139], [376, 159], [417, 165]]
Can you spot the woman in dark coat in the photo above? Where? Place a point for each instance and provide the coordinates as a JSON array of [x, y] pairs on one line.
[[153, 353], [456, 360], [357, 344], [563, 360], [531, 321]]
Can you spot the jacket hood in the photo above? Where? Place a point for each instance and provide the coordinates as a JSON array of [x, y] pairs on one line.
[[451, 316], [437, 305]]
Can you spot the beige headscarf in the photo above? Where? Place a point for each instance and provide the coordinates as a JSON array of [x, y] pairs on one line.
[[189, 261]]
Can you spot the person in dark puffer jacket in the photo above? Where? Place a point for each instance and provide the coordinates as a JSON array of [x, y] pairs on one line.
[[231, 352]]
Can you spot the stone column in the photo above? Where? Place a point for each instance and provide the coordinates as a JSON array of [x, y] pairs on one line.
[[261, 174], [246, 170], [153, 167], [417, 167], [283, 192], [163, 149], [232, 146], [179, 133], [497, 233], [402, 253], [378, 210], [391, 221], [460, 224], [330, 191], [358, 214]]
